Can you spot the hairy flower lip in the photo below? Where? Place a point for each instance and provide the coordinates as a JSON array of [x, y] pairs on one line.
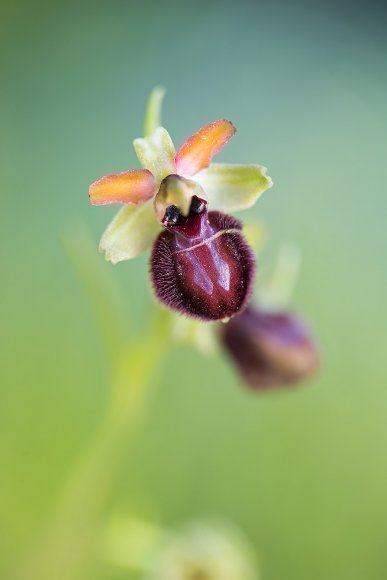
[[211, 281]]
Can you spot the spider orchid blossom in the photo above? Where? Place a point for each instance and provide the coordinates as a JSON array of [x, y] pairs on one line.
[[201, 264]]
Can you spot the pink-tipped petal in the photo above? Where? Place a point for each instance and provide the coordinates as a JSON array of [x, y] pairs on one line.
[[196, 153], [136, 186]]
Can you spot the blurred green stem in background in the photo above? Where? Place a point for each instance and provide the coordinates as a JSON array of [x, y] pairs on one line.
[[65, 550], [276, 289]]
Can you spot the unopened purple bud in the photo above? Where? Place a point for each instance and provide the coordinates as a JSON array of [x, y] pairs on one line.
[[270, 348], [201, 265]]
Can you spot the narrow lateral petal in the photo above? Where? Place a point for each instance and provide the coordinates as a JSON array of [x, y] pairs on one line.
[[156, 153], [196, 153], [130, 233], [136, 186], [231, 187]]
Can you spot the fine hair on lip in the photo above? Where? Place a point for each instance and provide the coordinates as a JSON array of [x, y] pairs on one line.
[[211, 279]]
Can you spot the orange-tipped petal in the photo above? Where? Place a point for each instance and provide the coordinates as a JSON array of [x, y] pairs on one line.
[[135, 186], [196, 153]]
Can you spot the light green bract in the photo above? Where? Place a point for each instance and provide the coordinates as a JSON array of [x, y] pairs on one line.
[[227, 187]]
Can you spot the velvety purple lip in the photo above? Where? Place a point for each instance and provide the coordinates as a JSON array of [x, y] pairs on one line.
[[201, 265]]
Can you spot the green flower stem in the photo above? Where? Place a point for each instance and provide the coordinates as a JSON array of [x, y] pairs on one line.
[[96, 470], [67, 548]]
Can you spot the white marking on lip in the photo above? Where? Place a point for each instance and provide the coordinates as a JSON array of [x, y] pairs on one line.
[[207, 241]]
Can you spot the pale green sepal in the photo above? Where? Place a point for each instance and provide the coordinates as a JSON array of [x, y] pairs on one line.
[[130, 232], [152, 117], [156, 153], [232, 188]]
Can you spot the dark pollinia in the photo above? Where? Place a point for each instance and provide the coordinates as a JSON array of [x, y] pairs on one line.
[[201, 265], [270, 349]]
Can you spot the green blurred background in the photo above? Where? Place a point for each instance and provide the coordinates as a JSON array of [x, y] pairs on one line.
[[303, 472]]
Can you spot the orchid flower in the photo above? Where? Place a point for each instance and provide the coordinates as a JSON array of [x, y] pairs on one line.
[[201, 264]]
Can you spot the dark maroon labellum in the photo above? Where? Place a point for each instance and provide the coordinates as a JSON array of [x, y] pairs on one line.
[[270, 348], [201, 265]]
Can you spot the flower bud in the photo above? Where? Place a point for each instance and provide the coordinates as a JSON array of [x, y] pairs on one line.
[[201, 265], [270, 349]]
